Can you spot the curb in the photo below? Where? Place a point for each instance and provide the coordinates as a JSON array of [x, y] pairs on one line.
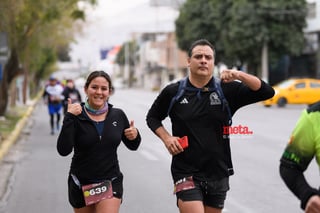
[[13, 137]]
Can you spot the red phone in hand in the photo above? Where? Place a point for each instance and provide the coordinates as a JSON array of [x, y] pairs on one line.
[[184, 142]]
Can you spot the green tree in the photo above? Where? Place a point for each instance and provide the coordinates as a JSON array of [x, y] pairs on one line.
[[202, 19], [242, 29], [127, 57], [258, 26], [126, 54], [36, 30]]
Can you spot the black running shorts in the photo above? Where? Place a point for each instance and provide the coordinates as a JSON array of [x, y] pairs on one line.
[[76, 198], [211, 193]]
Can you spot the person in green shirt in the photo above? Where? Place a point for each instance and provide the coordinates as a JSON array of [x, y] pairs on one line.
[[303, 146]]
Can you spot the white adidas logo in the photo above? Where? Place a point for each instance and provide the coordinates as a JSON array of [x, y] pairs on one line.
[[184, 101]]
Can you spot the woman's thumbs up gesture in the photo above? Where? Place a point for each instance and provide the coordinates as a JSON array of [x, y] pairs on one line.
[[131, 132], [75, 108]]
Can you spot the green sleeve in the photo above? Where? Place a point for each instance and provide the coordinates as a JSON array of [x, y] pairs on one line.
[[304, 142]]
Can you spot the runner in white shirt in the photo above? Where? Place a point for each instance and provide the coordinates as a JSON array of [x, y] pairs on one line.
[[53, 97]]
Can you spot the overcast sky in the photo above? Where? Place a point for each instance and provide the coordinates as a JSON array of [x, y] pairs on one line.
[[111, 22]]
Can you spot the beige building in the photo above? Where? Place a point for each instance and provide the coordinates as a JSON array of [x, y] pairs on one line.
[[159, 60]]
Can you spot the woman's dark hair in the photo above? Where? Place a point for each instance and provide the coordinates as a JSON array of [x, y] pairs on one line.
[[200, 42], [99, 73]]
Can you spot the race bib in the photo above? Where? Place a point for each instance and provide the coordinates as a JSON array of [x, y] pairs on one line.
[[183, 184], [93, 193]]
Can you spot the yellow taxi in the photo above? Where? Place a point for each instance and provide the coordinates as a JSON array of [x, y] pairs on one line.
[[295, 91]]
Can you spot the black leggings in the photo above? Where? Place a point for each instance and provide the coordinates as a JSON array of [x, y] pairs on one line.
[[52, 120]]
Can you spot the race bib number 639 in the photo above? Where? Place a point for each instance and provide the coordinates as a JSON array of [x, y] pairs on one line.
[[96, 192]]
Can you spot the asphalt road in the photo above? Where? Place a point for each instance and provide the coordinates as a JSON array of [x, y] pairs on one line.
[[33, 176]]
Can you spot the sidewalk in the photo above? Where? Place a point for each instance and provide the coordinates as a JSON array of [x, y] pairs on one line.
[[33, 175], [8, 160], [14, 136]]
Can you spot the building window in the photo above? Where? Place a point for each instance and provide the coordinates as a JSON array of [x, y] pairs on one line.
[[312, 12]]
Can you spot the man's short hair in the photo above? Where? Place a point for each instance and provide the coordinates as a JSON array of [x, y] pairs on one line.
[[201, 42]]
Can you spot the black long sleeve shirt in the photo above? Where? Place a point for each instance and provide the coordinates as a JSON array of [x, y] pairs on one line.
[[94, 158], [196, 116]]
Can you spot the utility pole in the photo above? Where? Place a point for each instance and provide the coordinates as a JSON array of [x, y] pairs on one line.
[[264, 63], [318, 57], [127, 64]]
